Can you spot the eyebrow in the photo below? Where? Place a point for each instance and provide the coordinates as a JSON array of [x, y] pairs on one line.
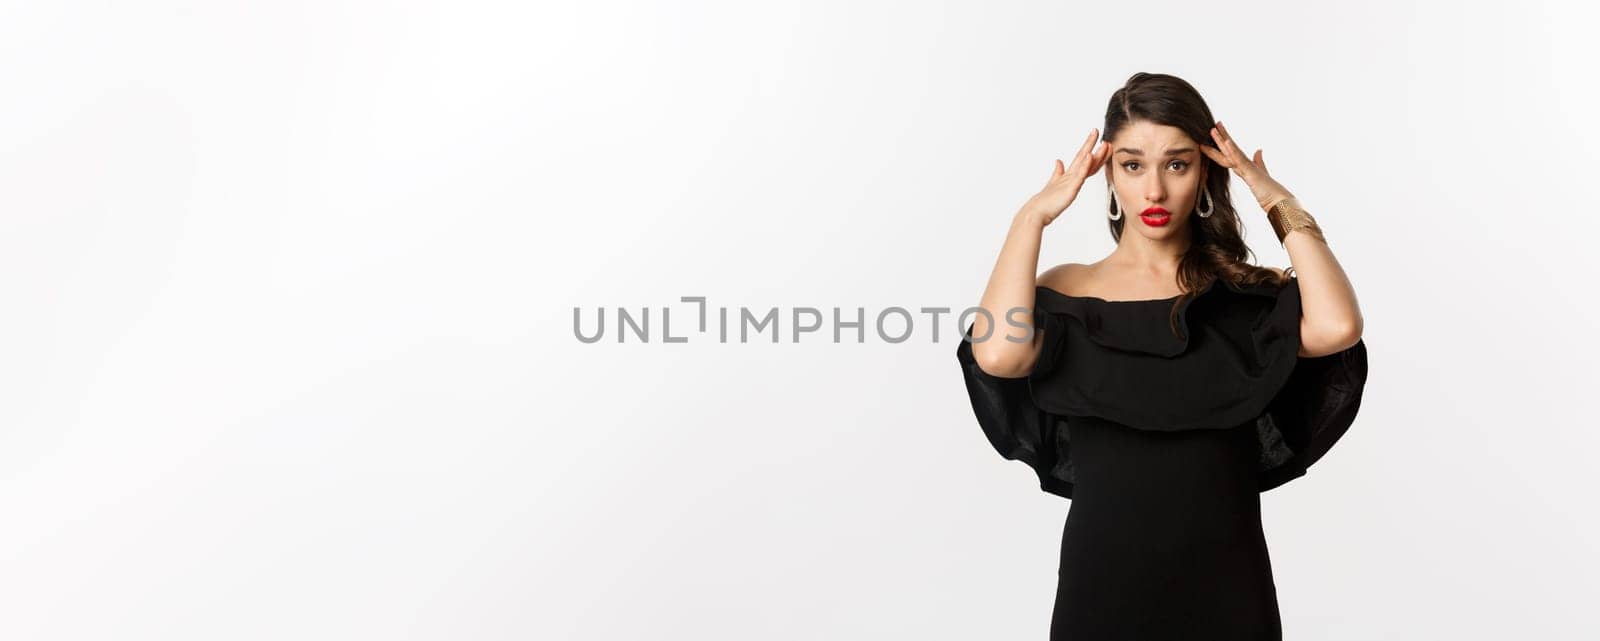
[[1170, 152]]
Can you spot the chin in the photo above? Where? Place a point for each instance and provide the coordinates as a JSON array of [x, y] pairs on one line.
[[1172, 227]]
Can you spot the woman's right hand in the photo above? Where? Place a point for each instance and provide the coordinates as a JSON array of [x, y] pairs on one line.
[[1064, 183]]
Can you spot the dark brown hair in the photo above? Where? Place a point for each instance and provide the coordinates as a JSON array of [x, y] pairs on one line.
[[1217, 249]]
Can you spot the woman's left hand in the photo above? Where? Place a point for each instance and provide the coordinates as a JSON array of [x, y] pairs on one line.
[[1254, 172]]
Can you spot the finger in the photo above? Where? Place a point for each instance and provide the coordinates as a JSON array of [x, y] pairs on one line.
[[1232, 143], [1103, 154], [1240, 162], [1060, 169], [1216, 156], [1222, 146], [1224, 129], [1088, 143], [1084, 156], [1228, 136], [1260, 160]]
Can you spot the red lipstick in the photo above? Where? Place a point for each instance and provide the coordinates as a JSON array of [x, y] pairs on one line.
[[1155, 216]]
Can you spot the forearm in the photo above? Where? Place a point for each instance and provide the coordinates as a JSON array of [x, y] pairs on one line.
[[1009, 299], [1331, 317]]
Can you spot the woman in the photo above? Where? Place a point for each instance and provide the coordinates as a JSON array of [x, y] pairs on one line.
[[1164, 387]]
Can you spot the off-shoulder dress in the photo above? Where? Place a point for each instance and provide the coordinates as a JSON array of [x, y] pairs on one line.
[[1163, 442]]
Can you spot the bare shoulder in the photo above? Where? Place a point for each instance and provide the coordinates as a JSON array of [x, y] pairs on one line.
[[1062, 277]]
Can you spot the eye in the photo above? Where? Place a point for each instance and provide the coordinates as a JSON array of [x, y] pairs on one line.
[[1127, 166], [1183, 163]]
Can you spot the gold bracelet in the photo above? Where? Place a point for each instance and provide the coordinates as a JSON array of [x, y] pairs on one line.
[[1287, 215]]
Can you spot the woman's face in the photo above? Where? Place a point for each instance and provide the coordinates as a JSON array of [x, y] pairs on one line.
[[1156, 167]]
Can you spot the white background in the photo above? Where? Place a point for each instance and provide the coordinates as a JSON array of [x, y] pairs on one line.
[[288, 347]]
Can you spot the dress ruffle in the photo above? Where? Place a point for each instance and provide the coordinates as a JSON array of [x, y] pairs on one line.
[[1235, 360]]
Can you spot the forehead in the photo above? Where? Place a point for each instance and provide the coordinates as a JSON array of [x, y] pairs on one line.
[[1151, 137]]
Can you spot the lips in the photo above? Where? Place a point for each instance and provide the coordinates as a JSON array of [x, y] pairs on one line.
[[1155, 216]]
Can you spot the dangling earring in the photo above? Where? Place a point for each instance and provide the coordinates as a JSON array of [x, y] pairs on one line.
[[1209, 205], [1112, 193]]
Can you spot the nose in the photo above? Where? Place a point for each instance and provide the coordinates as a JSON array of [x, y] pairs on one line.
[[1154, 191]]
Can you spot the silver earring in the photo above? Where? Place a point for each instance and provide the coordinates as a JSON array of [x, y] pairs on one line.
[[1209, 204], [1114, 204]]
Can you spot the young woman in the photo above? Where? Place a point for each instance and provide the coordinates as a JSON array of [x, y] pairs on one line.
[[1164, 387]]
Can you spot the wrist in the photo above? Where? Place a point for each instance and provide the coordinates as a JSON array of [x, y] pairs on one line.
[[1029, 218], [1287, 216], [1272, 199]]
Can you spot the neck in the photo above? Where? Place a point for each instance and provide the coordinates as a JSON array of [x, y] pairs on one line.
[[1157, 257]]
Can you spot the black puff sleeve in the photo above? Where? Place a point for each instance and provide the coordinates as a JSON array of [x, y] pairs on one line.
[[1317, 403], [1014, 424]]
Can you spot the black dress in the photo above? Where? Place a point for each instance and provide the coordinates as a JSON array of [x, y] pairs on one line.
[[1164, 443]]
